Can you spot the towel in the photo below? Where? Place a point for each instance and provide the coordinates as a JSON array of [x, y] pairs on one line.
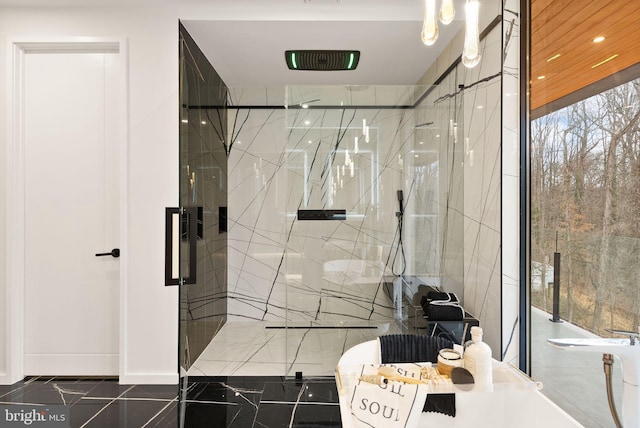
[[439, 306], [386, 405], [408, 348]]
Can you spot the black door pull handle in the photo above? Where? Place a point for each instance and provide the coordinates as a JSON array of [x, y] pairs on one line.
[[113, 253]]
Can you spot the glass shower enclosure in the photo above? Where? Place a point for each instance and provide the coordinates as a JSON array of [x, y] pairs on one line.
[[344, 207]]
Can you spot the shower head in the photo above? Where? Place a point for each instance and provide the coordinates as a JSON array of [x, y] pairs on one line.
[[322, 60]]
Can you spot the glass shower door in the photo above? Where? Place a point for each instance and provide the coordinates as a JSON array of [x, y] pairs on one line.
[[203, 204], [354, 189]]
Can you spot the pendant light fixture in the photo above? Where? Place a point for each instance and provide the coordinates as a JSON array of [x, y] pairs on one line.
[[429, 33], [447, 12], [471, 51]]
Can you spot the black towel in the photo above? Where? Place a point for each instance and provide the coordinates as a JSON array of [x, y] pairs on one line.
[[439, 306], [441, 295], [410, 348], [437, 311]]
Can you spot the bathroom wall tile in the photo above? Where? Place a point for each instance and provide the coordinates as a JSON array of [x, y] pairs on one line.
[[482, 190]]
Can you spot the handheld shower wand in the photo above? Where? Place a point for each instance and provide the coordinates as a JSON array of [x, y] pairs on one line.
[[398, 286], [400, 198]]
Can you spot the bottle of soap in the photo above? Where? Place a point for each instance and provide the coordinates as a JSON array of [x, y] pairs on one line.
[[477, 359]]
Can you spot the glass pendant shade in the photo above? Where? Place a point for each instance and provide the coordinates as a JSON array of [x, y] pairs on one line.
[[471, 51], [430, 24], [447, 12]]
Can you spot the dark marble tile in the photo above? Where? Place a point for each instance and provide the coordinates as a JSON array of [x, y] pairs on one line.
[[5, 390], [168, 392], [61, 390], [316, 391], [224, 392], [209, 415], [47, 393], [84, 410], [304, 415], [108, 389], [216, 402], [167, 418], [122, 413]]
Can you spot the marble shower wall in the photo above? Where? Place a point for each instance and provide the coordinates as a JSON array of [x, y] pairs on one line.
[[203, 183], [333, 269], [337, 271], [478, 171], [483, 189], [257, 214], [439, 185]]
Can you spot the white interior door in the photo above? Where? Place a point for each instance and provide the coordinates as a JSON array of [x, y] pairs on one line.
[[71, 213]]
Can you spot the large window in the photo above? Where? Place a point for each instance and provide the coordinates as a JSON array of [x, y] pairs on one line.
[[585, 205]]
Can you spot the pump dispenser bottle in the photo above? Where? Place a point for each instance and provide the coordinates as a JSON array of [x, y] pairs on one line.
[[477, 359]]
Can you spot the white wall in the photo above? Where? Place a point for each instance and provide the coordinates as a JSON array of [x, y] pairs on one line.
[[150, 314]]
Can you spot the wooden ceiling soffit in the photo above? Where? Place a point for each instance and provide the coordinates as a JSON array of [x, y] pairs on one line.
[[563, 50]]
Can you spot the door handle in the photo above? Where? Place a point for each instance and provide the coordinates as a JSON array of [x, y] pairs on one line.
[[114, 253]]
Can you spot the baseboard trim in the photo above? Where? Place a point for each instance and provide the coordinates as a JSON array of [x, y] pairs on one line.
[[8, 379], [150, 379]]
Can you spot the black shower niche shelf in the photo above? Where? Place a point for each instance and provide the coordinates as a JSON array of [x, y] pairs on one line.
[[322, 214]]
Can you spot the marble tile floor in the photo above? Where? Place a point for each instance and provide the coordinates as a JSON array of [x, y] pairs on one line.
[[251, 402]]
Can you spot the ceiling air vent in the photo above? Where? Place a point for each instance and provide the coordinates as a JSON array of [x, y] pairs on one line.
[[322, 60]]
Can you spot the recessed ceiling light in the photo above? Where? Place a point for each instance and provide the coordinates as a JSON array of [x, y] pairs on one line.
[[309, 141], [184, 121], [305, 105], [306, 122], [556, 56], [421, 142], [598, 39], [417, 156], [541, 77], [203, 122], [479, 106]]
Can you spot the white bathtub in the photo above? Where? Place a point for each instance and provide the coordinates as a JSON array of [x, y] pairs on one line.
[[514, 401]]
